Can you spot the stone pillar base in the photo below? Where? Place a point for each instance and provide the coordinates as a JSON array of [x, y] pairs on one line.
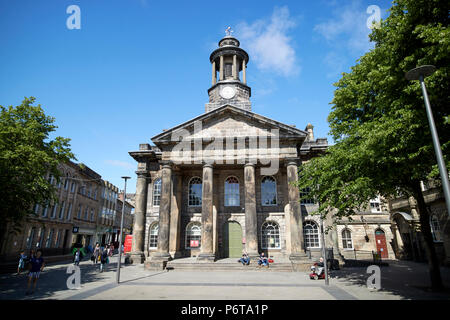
[[176, 254], [298, 256], [157, 261], [206, 257], [155, 265], [137, 257]]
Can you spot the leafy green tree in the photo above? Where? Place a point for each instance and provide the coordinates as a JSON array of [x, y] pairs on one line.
[[27, 154], [382, 138]]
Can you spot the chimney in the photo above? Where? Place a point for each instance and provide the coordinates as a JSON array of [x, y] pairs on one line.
[[309, 130]]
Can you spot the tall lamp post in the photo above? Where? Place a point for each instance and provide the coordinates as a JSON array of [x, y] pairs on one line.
[[420, 73], [121, 228]]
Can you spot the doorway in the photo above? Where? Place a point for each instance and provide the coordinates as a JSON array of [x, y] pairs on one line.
[[232, 240], [380, 239]]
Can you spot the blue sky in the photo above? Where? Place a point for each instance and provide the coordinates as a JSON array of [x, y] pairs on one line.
[[137, 67]]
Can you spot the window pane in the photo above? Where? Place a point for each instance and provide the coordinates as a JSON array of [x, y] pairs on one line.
[[195, 192], [268, 191], [232, 192]]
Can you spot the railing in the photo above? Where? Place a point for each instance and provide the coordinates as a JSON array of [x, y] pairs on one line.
[[362, 257]]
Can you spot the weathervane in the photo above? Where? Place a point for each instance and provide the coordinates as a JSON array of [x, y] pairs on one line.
[[228, 31]]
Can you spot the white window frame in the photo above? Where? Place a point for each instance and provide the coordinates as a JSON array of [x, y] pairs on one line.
[[157, 182], [266, 236], [189, 236], [346, 239], [230, 194], [153, 236], [315, 226]]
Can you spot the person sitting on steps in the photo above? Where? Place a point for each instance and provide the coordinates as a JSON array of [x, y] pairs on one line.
[[245, 260], [262, 261]]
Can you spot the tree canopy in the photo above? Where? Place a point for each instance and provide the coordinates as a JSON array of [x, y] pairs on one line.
[[27, 154], [383, 144], [382, 139]]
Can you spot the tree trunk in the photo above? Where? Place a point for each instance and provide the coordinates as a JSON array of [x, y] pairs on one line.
[[433, 263]]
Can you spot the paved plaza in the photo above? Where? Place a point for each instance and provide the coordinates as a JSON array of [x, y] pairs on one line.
[[400, 280]]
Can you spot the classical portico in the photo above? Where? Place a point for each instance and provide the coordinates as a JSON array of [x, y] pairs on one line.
[[221, 184]]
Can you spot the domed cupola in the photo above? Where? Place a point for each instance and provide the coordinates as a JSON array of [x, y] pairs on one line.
[[230, 61]]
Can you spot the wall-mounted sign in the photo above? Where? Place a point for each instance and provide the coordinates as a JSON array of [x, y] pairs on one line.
[[194, 243], [75, 230]]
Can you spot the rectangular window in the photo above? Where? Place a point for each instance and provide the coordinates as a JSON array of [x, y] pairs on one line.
[[55, 208], [304, 193], [72, 189], [69, 211], [61, 211], [45, 211], [36, 208], [79, 212], [66, 184], [86, 214], [375, 205], [58, 239]]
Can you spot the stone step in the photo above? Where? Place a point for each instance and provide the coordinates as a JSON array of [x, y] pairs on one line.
[[287, 267]]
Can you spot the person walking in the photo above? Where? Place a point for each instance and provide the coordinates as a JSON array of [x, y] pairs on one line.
[[103, 259], [22, 259], [96, 253], [36, 266], [77, 257]]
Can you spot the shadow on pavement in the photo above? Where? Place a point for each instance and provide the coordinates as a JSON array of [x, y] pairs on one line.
[[13, 287], [409, 280]]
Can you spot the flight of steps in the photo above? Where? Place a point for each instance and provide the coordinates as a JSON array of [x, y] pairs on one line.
[[222, 266]]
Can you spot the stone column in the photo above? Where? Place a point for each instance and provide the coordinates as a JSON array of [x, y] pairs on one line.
[[206, 253], [175, 221], [234, 67], [159, 258], [137, 248], [214, 73], [244, 78], [251, 222], [221, 75], [295, 217]]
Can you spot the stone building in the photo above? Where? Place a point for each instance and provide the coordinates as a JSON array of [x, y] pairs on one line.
[[221, 183], [408, 242], [56, 228], [367, 233], [128, 219], [107, 213]]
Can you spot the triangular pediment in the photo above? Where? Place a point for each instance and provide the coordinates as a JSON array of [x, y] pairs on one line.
[[229, 121]]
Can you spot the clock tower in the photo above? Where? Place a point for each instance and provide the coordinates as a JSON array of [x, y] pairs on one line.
[[230, 86]]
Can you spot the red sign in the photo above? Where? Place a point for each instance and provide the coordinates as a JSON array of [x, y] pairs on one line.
[[194, 243], [128, 243]]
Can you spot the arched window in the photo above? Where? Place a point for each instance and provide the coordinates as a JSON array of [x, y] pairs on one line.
[[311, 234], [157, 193], [232, 192], [270, 235], [347, 239], [435, 228], [268, 191], [153, 240], [195, 192], [193, 235]]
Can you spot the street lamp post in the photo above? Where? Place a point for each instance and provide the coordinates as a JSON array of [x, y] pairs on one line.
[[420, 73], [121, 229], [324, 251]]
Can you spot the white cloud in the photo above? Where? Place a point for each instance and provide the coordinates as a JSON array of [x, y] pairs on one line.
[[348, 27], [268, 44], [117, 163]]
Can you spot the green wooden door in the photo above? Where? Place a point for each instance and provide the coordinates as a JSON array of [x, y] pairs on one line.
[[232, 243]]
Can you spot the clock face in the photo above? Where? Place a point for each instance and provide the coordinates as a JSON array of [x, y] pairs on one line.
[[227, 92]]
